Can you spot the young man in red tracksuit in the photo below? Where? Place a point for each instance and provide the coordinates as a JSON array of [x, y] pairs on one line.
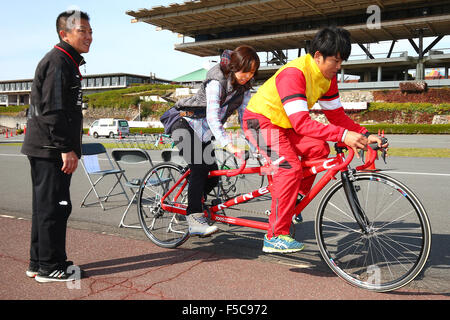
[[277, 120]]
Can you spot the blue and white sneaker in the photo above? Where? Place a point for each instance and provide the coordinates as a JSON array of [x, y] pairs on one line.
[[282, 244]]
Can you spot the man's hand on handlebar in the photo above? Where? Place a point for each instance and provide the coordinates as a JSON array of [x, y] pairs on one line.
[[358, 141]]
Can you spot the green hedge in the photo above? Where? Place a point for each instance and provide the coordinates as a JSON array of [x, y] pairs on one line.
[[410, 128], [443, 108], [138, 130], [146, 130], [13, 109], [388, 129]]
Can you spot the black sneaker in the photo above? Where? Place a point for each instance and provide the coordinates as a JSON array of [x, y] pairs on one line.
[[32, 271], [57, 275]]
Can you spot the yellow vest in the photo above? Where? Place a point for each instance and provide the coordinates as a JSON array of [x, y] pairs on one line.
[[267, 101]]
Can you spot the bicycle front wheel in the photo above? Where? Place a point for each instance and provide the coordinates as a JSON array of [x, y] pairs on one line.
[[392, 250], [165, 229]]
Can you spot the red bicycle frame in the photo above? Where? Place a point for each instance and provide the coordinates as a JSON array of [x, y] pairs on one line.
[[331, 165]]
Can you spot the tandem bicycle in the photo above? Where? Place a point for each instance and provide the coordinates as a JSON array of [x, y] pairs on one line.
[[371, 230]]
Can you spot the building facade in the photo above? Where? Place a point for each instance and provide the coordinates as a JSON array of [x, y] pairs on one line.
[[276, 27], [17, 92]]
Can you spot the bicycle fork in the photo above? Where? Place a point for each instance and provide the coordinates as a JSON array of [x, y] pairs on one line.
[[351, 194]]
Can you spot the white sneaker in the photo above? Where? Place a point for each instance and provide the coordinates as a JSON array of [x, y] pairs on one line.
[[198, 225]]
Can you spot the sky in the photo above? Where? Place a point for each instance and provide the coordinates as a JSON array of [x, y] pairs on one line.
[[27, 33]]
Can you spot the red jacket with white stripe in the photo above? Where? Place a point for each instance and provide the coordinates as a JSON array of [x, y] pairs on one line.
[[287, 97]]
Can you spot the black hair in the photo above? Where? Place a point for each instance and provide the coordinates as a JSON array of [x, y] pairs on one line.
[[332, 41], [61, 21]]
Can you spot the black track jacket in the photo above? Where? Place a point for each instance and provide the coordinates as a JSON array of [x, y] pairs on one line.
[[55, 118]]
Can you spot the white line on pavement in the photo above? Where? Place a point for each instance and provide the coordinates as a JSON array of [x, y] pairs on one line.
[[422, 173], [387, 172]]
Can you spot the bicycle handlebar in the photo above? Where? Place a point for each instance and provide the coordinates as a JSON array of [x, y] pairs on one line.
[[372, 156], [349, 158]]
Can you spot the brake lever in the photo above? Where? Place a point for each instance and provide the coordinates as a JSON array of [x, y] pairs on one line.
[[383, 155], [375, 147], [383, 150], [361, 155]]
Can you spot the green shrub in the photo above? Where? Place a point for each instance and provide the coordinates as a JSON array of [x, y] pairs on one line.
[[137, 130], [400, 128], [443, 108], [13, 109], [146, 130], [410, 128], [153, 109], [123, 98]]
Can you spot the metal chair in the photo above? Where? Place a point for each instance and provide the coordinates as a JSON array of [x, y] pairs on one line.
[[96, 172], [131, 156]]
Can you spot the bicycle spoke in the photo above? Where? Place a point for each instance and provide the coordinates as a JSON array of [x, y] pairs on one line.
[[342, 211], [395, 220], [344, 227], [162, 227], [388, 240]]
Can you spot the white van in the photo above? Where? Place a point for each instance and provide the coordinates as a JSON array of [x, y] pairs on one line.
[[109, 128]]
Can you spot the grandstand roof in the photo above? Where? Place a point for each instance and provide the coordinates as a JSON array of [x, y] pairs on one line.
[[286, 24]]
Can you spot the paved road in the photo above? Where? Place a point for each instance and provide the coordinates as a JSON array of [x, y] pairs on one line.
[[122, 268], [396, 140], [429, 178]]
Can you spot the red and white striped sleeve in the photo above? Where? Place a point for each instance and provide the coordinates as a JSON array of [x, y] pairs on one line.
[[332, 107], [291, 86]]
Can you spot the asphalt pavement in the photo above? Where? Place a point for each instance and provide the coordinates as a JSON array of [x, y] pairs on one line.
[[122, 264]]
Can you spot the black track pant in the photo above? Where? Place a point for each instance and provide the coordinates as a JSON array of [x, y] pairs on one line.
[[201, 160], [51, 210]]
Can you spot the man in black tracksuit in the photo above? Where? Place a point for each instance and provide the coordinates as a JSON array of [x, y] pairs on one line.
[[53, 144]]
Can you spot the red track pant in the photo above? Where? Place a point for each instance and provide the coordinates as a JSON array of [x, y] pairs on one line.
[[275, 142]]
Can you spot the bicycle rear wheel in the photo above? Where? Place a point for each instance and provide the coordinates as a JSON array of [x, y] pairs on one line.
[[396, 246], [165, 229]]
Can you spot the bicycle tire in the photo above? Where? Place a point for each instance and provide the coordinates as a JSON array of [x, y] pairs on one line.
[[165, 229], [398, 243]]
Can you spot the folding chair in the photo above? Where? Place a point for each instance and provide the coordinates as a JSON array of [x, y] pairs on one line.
[[95, 173], [131, 156]]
